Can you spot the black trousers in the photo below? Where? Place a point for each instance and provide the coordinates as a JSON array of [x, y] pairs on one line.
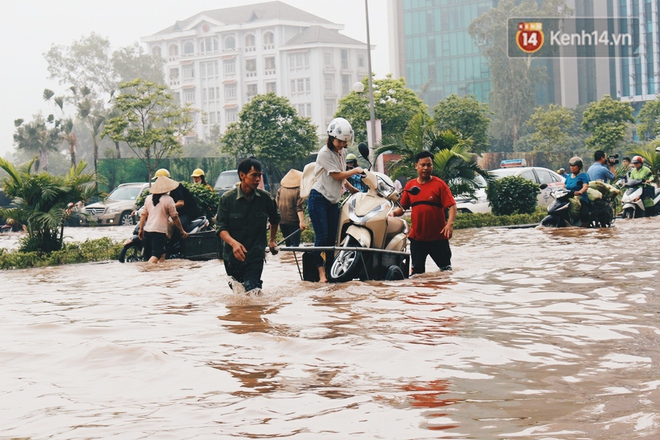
[[287, 230], [248, 274], [438, 250]]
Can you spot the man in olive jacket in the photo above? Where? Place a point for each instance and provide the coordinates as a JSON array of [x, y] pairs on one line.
[[243, 214]]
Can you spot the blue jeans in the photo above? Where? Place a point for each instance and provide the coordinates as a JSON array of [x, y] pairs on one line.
[[325, 219]]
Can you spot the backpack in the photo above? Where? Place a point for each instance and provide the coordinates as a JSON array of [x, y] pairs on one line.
[[308, 180]]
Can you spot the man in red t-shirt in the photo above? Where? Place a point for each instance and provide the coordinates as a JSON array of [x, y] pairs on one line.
[[430, 232]]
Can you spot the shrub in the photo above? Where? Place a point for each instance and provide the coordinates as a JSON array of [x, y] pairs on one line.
[[101, 249], [512, 195]]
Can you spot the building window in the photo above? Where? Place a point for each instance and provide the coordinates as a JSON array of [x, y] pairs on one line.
[[188, 48], [213, 118], [361, 63], [269, 63], [327, 58], [188, 71], [210, 94], [229, 66], [330, 107], [231, 115], [209, 45], [345, 84], [229, 43], [329, 83], [300, 86], [173, 50], [189, 95], [251, 91], [271, 87], [304, 110], [250, 43], [251, 67], [230, 91], [209, 69], [299, 61], [174, 76], [155, 51], [269, 40], [344, 59]]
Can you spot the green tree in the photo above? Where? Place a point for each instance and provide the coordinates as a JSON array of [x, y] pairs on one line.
[[607, 120], [92, 74], [452, 162], [150, 122], [648, 120], [394, 104], [551, 126], [131, 62], [37, 138], [464, 115], [514, 80], [269, 128], [40, 199]]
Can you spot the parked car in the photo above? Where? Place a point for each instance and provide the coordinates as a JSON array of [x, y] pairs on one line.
[[119, 207], [538, 175]]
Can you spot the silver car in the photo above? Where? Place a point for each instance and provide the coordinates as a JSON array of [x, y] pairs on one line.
[[119, 207], [538, 175]]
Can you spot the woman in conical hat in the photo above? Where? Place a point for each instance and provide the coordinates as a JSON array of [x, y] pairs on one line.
[[292, 207], [292, 179], [158, 208]]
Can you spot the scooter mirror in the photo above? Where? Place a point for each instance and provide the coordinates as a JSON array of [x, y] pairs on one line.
[[414, 190], [364, 150]]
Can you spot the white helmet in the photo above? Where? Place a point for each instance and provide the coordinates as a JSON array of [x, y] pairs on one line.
[[341, 129]]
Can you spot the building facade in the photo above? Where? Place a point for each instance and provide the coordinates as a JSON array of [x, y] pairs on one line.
[[431, 47], [217, 60]]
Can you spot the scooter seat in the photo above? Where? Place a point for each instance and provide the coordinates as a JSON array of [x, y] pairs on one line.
[[395, 225]]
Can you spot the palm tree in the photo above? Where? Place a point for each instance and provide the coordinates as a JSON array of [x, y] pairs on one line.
[[39, 201], [36, 138], [452, 161]]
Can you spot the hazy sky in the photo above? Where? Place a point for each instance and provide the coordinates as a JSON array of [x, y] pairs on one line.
[[31, 27]]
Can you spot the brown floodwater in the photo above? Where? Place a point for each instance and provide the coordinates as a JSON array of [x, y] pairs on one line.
[[537, 333]]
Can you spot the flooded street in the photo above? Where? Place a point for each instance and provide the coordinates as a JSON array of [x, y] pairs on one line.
[[537, 333]]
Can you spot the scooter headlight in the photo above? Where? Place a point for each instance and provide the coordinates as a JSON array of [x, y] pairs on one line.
[[383, 188]]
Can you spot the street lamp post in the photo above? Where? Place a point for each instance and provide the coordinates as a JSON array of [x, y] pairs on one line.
[[372, 125]]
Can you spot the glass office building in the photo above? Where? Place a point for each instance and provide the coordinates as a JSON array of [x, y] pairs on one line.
[[436, 54]]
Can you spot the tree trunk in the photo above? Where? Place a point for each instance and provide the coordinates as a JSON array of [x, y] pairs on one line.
[[118, 150]]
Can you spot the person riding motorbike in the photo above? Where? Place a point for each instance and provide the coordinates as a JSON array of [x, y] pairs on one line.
[[640, 172], [199, 177], [578, 182], [355, 179]]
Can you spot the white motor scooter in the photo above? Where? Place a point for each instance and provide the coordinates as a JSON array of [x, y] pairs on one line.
[[371, 243], [633, 204]]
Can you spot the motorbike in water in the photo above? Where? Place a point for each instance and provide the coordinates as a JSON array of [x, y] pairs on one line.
[[371, 244], [202, 243], [559, 212], [633, 202], [564, 210]]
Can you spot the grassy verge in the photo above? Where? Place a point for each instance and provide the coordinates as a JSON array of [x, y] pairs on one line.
[[90, 250]]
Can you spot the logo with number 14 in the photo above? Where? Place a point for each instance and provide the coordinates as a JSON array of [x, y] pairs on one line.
[[530, 36]]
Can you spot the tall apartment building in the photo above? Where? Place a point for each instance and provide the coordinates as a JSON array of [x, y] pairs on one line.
[[218, 60]]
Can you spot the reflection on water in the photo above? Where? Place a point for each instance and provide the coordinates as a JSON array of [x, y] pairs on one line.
[[537, 333]]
